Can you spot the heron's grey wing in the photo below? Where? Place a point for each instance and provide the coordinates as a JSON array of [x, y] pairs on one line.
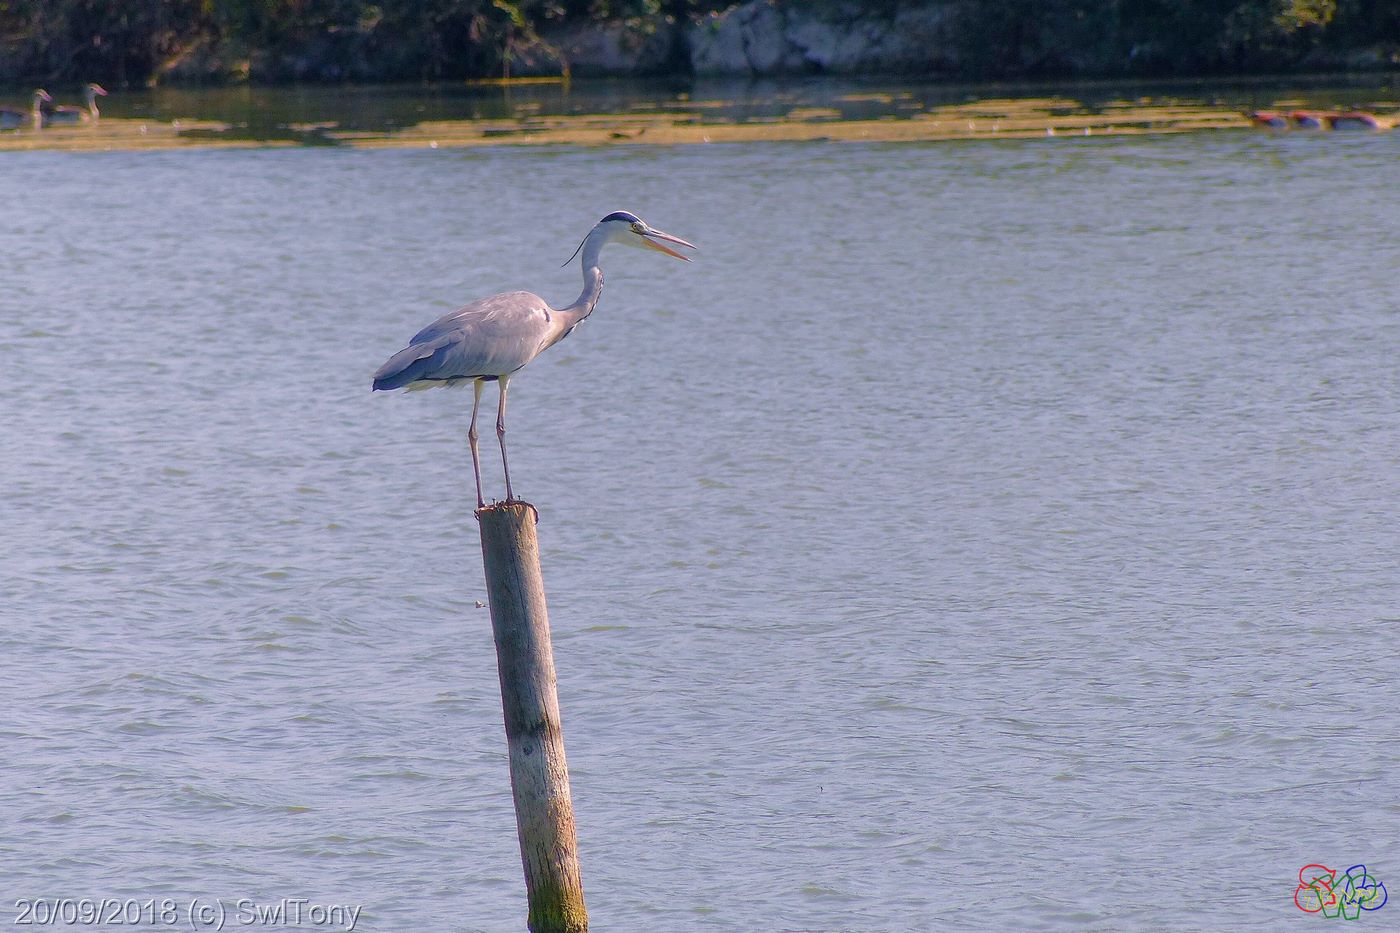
[[491, 337], [414, 363], [497, 308]]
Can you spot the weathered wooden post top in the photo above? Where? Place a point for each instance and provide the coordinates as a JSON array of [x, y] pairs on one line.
[[539, 775]]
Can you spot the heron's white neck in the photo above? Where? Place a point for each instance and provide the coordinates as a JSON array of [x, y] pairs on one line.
[[92, 103], [587, 299], [592, 276], [567, 318]]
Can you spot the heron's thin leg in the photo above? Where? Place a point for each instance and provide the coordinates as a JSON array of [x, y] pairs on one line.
[[471, 439], [501, 435]]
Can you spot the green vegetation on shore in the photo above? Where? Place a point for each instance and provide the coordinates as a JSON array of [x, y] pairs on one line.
[[150, 41]]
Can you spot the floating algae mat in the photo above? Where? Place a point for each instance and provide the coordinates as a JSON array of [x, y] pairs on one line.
[[612, 114]]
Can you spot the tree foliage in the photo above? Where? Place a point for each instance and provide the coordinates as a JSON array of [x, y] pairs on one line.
[[135, 41]]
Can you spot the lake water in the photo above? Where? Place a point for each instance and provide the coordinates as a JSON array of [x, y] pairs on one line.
[[990, 535]]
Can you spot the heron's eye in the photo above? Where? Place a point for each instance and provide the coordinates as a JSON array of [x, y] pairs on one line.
[[637, 228]]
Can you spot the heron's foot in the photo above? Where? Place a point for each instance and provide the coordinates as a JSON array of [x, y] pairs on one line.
[[511, 500], [506, 503]]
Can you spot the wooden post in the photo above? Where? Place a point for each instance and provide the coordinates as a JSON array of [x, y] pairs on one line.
[[539, 776]]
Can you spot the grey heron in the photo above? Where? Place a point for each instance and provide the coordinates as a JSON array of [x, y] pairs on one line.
[[490, 339], [85, 114], [12, 119]]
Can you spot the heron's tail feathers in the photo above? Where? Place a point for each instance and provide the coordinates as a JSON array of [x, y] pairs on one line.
[[411, 364]]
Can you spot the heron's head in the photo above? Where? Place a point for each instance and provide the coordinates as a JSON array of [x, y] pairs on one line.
[[43, 95], [97, 89], [630, 230]]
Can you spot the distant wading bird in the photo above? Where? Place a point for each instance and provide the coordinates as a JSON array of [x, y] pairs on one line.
[[491, 338], [12, 119], [64, 114]]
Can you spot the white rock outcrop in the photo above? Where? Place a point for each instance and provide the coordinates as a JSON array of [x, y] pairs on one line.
[[617, 48], [772, 37]]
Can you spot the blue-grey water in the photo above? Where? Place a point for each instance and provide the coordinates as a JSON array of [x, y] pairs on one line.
[[976, 536]]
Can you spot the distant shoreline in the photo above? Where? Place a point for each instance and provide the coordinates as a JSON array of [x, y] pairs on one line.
[[989, 119]]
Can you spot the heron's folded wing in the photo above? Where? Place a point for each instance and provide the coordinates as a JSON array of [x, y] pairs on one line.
[[493, 337], [489, 313], [415, 361]]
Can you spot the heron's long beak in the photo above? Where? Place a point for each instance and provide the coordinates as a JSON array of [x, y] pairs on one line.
[[651, 236]]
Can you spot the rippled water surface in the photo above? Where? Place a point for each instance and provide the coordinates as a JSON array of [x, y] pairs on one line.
[[976, 536]]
